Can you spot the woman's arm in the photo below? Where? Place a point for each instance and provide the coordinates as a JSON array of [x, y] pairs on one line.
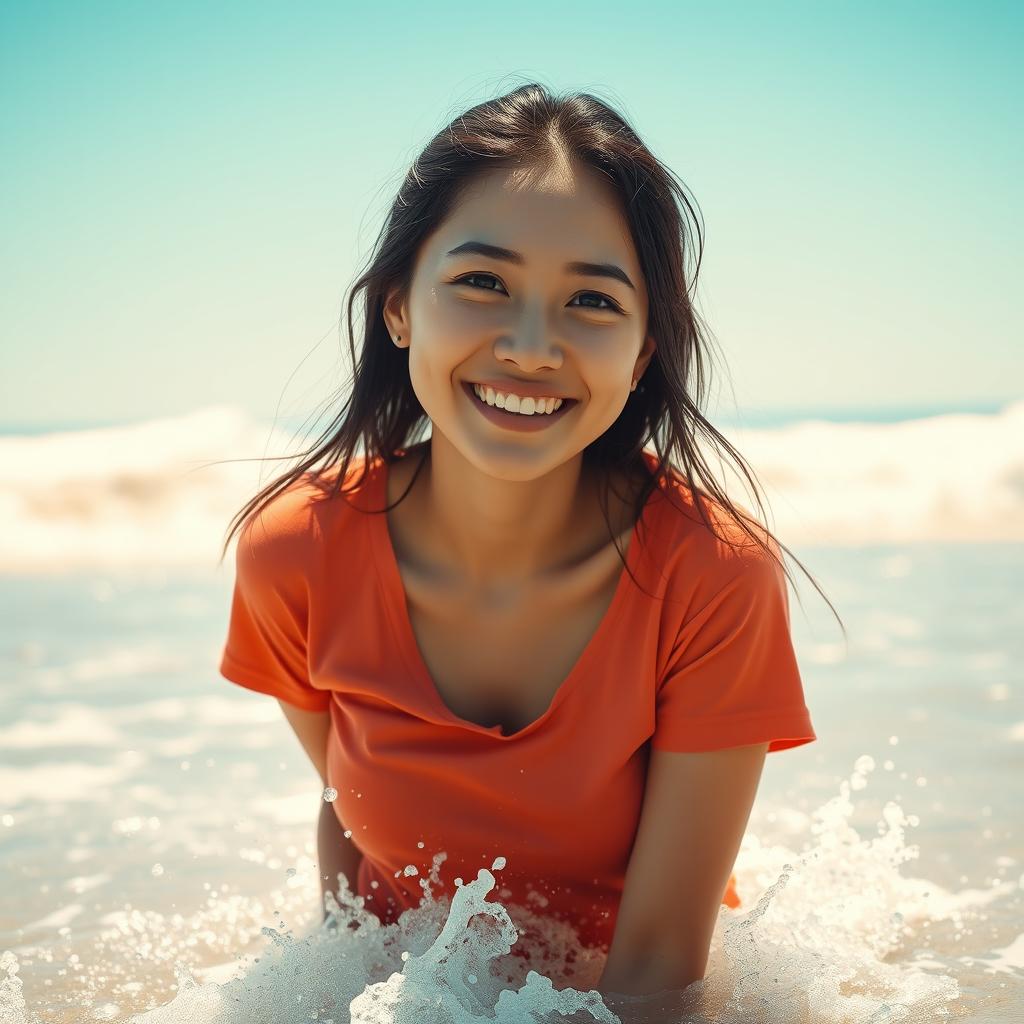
[[335, 853], [695, 811]]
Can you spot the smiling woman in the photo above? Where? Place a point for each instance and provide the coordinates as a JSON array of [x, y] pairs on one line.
[[557, 646]]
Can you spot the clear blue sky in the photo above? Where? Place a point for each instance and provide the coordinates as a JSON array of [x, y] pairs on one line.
[[188, 189]]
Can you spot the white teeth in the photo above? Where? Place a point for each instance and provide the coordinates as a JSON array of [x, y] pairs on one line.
[[513, 403]]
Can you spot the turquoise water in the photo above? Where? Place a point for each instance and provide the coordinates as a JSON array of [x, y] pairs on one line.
[[156, 822]]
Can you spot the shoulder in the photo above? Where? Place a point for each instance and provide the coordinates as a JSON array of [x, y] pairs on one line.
[[299, 515], [704, 546]]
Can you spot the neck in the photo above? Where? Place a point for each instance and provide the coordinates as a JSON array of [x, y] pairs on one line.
[[495, 531]]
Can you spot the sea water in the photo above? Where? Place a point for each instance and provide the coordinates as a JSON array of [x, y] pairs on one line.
[[157, 858], [157, 824]]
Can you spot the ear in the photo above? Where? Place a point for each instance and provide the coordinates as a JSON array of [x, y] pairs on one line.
[[645, 356], [396, 317]]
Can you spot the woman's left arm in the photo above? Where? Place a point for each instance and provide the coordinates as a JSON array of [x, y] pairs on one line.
[[695, 810]]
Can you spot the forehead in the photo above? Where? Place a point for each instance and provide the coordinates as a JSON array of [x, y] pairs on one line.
[[550, 215]]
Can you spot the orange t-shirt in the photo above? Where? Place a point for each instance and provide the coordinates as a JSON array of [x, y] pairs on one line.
[[319, 620]]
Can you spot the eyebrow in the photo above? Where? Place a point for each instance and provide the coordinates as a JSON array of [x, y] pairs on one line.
[[497, 252]]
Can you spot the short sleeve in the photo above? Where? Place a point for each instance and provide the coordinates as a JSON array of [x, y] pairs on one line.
[[732, 678], [266, 646]]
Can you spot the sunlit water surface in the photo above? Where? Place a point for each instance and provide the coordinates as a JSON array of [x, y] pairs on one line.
[[156, 825]]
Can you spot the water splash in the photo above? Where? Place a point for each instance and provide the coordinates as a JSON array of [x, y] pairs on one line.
[[827, 935], [12, 1002]]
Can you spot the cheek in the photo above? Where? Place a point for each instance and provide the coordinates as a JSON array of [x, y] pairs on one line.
[[607, 377], [436, 358], [443, 324], [608, 366], [465, 326]]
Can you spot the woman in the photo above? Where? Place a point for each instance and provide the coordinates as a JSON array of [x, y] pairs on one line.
[[528, 636]]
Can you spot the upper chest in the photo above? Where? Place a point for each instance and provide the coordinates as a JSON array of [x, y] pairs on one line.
[[500, 660]]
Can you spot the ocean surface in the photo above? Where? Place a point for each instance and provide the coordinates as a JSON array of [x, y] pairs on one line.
[[157, 822]]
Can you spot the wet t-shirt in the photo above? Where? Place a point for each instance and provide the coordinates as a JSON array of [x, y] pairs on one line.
[[703, 661]]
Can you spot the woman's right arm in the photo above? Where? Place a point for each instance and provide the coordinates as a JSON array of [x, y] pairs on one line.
[[335, 852]]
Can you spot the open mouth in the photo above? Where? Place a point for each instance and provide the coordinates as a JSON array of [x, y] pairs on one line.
[[515, 420]]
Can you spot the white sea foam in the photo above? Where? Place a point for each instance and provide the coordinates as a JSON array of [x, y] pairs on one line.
[[818, 938], [58, 919], [84, 883], [1009, 959], [71, 725], [956, 477], [150, 495], [65, 782]]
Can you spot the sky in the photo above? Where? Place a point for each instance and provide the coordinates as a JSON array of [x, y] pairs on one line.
[[188, 190]]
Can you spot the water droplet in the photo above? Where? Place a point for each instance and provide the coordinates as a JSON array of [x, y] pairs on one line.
[[330, 794], [290, 872], [156, 870]]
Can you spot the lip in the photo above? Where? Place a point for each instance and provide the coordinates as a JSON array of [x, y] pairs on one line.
[[513, 421]]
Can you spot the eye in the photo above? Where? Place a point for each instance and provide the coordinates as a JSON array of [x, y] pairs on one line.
[[613, 306], [469, 277]]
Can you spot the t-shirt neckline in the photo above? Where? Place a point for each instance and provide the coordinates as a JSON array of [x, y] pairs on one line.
[[395, 603]]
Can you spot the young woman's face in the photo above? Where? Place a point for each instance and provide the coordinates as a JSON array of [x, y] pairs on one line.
[[475, 316]]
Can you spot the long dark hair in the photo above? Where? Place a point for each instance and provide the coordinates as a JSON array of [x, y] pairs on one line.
[[382, 416]]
